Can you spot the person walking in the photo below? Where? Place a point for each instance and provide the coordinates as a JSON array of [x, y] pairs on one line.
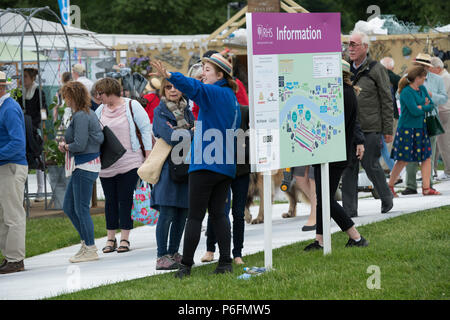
[[436, 91], [122, 116], [13, 174], [170, 197], [443, 140], [375, 116], [82, 140], [394, 78], [412, 143], [353, 136], [210, 173]]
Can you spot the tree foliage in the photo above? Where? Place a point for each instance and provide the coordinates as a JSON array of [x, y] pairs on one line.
[[171, 17]]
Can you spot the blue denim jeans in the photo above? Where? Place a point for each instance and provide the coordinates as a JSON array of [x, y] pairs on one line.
[[172, 218], [76, 203], [386, 154], [239, 187]]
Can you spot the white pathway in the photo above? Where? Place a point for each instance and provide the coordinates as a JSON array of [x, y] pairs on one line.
[[51, 274]]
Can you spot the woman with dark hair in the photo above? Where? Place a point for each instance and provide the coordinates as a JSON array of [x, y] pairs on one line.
[[412, 143], [83, 138], [33, 109], [210, 175], [353, 136]]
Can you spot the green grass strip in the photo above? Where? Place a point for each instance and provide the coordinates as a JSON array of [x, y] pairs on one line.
[[412, 253]]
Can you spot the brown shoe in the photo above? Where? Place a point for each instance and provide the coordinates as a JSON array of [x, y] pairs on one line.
[[11, 267]]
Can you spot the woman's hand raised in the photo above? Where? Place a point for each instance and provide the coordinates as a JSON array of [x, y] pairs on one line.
[[161, 70]]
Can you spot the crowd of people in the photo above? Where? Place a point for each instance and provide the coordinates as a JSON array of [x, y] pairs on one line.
[[385, 117]]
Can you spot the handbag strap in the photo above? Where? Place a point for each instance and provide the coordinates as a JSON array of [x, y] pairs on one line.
[[138, 132]]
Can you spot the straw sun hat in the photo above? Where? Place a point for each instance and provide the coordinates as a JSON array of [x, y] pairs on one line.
[[423, 59]]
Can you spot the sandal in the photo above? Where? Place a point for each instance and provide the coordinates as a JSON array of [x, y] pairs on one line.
[[112, 248], [124, 248], [430, 192]]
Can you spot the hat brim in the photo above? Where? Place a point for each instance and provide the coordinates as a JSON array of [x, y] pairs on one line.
[[213, 62], [423, 63]]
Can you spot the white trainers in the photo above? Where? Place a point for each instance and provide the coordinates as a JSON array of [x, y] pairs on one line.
[[444, 177], [82, 248], [88, 253]]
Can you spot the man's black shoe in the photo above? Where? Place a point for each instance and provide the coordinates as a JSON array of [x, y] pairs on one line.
[[183, 271], [313, 246], [408, 191], [361, 243], [223, 267]]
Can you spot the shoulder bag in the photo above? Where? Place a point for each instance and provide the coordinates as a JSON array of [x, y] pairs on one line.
[[111, 149], [138, 132], [434, 127]]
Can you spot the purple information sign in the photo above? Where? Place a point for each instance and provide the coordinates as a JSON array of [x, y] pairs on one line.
[[284, 33]]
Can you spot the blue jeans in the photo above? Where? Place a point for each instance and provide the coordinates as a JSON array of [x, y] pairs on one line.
[[386, 155], [239, 186], [172, 218], [76, 203]]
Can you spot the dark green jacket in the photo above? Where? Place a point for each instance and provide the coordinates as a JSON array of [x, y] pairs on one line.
[[375, 108]]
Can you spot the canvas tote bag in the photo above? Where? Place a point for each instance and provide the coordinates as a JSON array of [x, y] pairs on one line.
[[150, 170]]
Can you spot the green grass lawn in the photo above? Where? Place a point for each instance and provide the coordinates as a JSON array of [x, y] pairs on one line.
[[412, 253]]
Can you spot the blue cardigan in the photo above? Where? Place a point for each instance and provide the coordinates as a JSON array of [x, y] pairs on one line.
[[219, 114], [12, 133], [166, 192], [411, 116]]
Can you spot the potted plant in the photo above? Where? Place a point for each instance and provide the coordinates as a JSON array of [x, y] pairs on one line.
[[55, 159]]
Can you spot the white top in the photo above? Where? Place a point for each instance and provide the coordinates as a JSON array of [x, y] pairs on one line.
[[88, 83]]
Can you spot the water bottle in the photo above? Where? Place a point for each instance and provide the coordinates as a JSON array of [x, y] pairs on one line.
[[245, 276], [254, 270]]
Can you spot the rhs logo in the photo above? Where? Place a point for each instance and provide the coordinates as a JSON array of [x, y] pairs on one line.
[[264, 32]]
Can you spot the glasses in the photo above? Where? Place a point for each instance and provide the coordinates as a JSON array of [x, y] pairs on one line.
[[168, 87], [354, 45], [99, 93]]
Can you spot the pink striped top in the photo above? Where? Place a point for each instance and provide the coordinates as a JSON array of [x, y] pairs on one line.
[[117, 121]]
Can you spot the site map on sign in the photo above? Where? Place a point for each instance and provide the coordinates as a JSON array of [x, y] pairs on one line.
[[311, 104]]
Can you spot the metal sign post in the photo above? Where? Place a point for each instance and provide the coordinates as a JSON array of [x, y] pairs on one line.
[[267, 219], [325, 183]]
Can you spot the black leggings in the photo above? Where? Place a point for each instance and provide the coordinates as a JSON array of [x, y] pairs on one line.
[[207, 190], [337, 212]]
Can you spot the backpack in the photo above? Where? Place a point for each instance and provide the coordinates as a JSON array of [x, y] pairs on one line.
[[34, 145]]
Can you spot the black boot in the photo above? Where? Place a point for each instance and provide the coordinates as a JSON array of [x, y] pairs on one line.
[[183, 271], [223, 267]]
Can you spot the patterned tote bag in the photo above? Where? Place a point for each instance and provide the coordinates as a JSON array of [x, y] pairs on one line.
[[141, 210]]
